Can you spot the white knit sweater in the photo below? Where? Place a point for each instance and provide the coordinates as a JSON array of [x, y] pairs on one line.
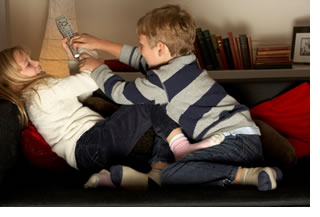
[[58, 114]]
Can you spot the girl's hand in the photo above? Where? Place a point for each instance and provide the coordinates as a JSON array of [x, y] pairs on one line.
[[89, 63], [64, 42], [84, 41]]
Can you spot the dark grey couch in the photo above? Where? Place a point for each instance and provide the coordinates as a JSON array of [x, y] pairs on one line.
[[23, 185]]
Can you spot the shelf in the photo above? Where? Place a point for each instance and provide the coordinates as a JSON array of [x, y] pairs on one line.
[[298, 72]]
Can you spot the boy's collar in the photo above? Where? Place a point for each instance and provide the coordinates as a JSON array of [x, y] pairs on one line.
[[187, 59]]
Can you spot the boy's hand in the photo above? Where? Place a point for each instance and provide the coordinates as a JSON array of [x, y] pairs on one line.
[[64, 42], [84, 41], [89, 63]]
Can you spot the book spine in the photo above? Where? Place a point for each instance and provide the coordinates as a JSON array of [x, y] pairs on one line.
[[198, 53], [274, 48], [250, 52], [239, 52], [216, 48], [222, 52], [203, 49], [233, 50], [273, 52], [245, 51], [209, 45], [273, 66], [227, 49]]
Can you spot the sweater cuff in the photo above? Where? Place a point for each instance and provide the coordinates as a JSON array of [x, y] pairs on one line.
[[101, 74], [125, 53], [73, 67]]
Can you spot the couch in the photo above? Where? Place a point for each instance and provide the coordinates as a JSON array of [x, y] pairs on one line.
[[23, 184]]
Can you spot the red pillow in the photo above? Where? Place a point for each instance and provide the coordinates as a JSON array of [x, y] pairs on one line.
[[117, 66], [289, 114], [38, 153]]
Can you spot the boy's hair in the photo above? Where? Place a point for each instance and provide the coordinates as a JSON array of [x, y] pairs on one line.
[[171, 25], [10, 78]]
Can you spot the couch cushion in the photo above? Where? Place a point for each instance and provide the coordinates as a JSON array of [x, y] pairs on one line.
[[9, 139], [289, 114]]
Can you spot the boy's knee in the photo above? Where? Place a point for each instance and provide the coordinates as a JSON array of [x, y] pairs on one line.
[[167, 177]]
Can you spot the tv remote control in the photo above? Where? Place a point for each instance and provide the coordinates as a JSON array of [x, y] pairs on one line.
[[65, 28]]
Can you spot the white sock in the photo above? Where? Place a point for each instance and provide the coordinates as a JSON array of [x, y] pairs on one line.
[[101, 179]]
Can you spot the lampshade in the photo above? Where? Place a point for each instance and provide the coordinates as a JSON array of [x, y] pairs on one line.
[[53, 58]]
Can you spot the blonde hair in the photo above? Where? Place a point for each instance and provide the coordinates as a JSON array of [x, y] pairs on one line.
[[171, 25], [10, 79]]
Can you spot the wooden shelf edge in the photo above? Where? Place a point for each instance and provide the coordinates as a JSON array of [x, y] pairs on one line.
[[296, 73]]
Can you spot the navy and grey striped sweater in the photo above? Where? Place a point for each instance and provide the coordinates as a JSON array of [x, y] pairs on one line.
[[188, 94]]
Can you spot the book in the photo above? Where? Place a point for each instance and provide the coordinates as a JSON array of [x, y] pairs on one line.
[[222, 52], [273, 57], [233, 50], [227, 49], [239, 52], [272, 52], [198, 53], [273, 66], [245, 51], [250, 52], [216, 48], [274, 48], [212, 54], [203, 49], [277, 62]]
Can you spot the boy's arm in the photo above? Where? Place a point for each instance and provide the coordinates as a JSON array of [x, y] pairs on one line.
[[131, 56], [140, 91], [90, 42]]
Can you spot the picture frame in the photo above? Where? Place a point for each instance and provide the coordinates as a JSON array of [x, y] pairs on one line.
[[300, 47]]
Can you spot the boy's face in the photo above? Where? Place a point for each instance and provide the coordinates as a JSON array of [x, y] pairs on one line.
[[150, 54]]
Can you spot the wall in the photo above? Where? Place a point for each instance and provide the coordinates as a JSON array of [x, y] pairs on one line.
[[4, 43], [271, 20]]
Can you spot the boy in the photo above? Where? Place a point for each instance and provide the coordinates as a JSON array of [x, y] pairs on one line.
[[187, 93]]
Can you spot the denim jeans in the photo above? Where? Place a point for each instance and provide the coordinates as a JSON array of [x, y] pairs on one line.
[[217, 165], [110, 141]]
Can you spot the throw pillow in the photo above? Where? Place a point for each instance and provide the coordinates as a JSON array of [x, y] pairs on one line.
[[38, 153], [117, 66], [277, 150], [289, 114]]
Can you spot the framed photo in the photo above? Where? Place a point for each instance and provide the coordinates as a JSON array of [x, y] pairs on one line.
[[300, 48]]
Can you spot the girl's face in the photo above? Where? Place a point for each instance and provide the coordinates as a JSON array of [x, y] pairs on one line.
[[28, 66]]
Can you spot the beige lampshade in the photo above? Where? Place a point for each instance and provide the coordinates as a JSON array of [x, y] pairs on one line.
[[53, 58]]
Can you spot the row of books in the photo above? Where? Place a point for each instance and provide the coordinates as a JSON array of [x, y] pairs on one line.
[[273, 57], [217, 53]]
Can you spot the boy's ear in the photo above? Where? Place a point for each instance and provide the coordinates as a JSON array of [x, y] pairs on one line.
[[162, 48]]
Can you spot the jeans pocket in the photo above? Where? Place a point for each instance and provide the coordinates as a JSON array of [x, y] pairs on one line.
[[93, 158]]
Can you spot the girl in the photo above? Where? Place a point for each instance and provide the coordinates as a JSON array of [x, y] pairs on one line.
[[82, 137]]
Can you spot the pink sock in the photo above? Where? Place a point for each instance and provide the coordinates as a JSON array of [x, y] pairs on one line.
[[180, 146]]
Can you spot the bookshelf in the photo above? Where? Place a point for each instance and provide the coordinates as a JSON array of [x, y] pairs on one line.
[[298, 72]]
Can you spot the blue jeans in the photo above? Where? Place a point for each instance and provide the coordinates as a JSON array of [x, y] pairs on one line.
[[110, 141], [217, 165]]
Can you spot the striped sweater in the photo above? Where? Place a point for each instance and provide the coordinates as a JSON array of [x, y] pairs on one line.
[[188, 94]]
